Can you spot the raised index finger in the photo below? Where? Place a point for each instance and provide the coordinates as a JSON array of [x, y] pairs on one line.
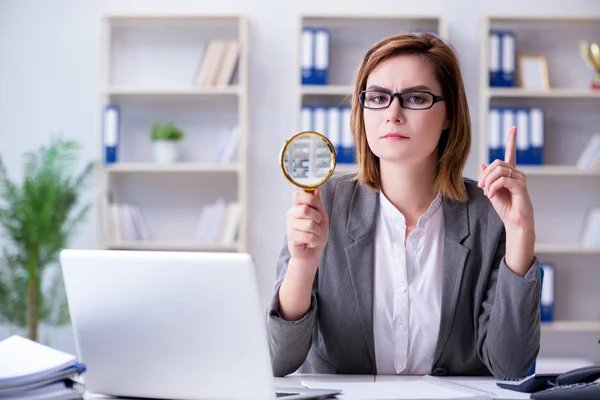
[[510, 155]]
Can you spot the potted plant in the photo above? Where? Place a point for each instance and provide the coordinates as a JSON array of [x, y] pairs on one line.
[[166, 138], [38, 215]]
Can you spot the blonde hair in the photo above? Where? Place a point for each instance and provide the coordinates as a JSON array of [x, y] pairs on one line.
[[455, 142]]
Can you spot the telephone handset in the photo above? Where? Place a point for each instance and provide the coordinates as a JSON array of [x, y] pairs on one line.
[[579, 375], [579, 383]]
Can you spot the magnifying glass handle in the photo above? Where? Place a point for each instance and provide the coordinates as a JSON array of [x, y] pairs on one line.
[[311, 191]]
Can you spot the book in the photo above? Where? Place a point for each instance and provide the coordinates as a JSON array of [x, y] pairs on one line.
[[30, 369]]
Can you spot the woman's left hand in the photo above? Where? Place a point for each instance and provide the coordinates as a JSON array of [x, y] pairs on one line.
[[506, 187]]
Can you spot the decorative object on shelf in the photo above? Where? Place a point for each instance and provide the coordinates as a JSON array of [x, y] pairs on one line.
[[307, 160], [166, 138], [38, 217], [591, 54], [533, 72]]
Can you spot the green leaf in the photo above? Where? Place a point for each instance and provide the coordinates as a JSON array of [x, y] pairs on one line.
[[38, 216]]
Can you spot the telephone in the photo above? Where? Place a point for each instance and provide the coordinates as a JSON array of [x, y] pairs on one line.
[[576, 384]]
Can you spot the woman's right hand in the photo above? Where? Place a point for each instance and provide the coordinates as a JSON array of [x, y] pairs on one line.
[[307, 227]]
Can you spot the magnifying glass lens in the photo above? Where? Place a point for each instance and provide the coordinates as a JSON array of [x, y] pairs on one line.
[[308, 160]]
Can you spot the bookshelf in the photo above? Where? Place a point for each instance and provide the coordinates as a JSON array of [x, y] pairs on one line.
[[350, 36], [562, 192], [151, 70]]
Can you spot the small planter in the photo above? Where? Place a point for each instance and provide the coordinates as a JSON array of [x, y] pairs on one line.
[[166, 138], [166, 151]]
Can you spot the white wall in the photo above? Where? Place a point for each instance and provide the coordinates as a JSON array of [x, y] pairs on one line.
[[49, 69]]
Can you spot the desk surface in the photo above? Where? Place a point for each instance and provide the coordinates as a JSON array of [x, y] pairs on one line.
[[477, 383]]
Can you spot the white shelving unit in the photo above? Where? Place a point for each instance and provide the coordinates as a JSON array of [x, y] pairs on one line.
[[149, 66], [351, 37], [561, 192]]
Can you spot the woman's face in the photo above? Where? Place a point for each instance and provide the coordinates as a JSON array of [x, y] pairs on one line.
[[399, 135]]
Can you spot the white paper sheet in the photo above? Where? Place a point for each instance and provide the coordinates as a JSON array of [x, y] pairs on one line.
[[22, 358], [484, 384], [413, 389]]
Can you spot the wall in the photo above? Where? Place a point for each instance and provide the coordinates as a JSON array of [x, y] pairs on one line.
[[49, 69]]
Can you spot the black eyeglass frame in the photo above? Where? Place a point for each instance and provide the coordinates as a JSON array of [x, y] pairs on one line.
[[361, 99]]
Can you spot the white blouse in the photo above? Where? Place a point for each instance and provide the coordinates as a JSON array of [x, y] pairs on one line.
[[407, 289]]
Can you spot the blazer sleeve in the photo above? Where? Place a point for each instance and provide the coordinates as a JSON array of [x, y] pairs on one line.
[[290, 341], [509, 323]]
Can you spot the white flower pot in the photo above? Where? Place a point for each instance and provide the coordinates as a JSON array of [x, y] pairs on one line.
[[165, 151]]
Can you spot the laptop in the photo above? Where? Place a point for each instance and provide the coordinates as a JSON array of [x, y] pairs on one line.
[[176, 325]]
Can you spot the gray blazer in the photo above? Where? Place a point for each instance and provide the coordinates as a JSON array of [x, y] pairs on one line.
[[490, 317]]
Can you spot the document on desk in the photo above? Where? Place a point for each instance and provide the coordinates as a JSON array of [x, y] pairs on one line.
[[393, 390]]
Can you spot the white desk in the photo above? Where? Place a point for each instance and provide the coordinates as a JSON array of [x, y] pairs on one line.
[[485, 384]]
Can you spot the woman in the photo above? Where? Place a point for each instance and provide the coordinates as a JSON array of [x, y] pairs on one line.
[[409, 268]]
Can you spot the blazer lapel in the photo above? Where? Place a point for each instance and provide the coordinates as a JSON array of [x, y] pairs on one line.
[[456, 223], [360, 256]]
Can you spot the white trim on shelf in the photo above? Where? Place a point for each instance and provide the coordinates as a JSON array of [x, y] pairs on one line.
[[565, 248], [571, 326], [171, 16], [374, 16], [542, 18], [557, 170], [554, 93], [172, 167], [320, 90], [130, 91], [173, 246], [346, 168]]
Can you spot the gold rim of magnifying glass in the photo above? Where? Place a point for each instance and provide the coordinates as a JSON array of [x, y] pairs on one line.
[[332, 165]]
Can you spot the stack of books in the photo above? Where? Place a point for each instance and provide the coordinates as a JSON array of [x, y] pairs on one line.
[[33, 371]]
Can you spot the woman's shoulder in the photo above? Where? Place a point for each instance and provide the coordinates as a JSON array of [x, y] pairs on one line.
[[342, 188], [474, 192], [478, 203], [336, 182]]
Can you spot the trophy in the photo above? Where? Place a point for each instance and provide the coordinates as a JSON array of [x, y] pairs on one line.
[[591, 54]]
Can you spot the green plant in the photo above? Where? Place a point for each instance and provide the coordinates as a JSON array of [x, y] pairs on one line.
[[167, 132], [38, 217]]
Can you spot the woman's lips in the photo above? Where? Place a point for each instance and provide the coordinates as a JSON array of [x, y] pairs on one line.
[[394, 136]]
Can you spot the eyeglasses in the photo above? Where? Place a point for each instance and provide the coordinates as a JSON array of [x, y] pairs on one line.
[[412, 100]]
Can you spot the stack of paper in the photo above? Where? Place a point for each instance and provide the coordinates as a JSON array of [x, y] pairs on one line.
[[30, 370]]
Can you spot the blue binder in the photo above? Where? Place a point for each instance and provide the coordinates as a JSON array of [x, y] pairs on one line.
[[532, 369], [110, 133], [321, 56], [502, 62]]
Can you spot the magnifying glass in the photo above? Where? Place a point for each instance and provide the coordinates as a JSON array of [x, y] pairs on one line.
[[307, 160]]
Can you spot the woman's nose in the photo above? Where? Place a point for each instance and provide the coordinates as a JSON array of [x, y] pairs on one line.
[[394, 112]]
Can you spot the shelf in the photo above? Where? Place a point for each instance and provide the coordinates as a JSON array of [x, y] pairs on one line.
[[326, 90], [548, 94], [172, 16], [557, 170], [175, 167], [542, 18], [173, 246], [172, 92], [549, 248], [346, 168], [571, 326]]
